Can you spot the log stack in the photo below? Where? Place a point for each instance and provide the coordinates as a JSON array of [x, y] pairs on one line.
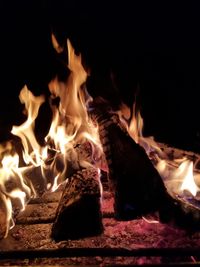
[[135, 184]]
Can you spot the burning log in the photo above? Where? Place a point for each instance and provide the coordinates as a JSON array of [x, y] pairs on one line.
[[137, 186], [185, 214], [3, 221], [79, 211]]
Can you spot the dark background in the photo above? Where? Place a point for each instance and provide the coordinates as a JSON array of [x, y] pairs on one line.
[[152, 48]]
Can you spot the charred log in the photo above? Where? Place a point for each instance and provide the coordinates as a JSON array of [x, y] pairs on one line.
[[184, 214], [79, 211], [137, 186], [3, 221]]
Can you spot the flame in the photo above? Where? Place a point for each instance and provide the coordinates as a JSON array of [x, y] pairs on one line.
[[77, 125], [25, 132], [134, 124], [10, 174], [178, 179], [71, 129], [188, 182], [132, 121], [72, 133]]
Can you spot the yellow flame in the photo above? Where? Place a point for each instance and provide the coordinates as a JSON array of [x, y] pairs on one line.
[[25, 132], [136, 125], [71, 126], [188, 181]]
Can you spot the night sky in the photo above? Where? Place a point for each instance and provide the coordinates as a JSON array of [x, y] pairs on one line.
[[152, 48]]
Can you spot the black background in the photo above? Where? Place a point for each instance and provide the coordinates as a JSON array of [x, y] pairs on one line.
[[149, 47]]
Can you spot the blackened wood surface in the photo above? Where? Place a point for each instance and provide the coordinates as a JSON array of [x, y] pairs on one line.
[[138, 188], [79, 211], [3, 220]]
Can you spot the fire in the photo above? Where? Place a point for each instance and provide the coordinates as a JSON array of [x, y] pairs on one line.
[[70, 129], [11, 176], [188, 182], [178, 179], [32, 150]]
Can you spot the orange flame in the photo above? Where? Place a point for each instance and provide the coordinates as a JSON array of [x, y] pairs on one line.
[[71, 126]]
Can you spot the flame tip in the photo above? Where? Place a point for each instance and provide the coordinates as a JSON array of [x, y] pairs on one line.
[[55, 44]]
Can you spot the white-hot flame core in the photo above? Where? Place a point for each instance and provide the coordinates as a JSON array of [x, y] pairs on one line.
[[17, 193], [188, 182]]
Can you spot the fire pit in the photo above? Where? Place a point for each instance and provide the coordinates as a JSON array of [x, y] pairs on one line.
[[98, 192]]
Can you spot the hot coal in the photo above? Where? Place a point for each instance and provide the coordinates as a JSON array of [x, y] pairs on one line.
[[79, 210]]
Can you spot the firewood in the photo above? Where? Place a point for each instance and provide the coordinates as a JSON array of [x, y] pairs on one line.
[[79, 210], [185, 213], [137, 186], [3, 219]]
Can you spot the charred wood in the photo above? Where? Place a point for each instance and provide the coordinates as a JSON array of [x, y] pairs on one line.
[[47, 197], [45, 210], [37, 213], [185, 214], [3, 220], [137, 186], [79, 210]]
